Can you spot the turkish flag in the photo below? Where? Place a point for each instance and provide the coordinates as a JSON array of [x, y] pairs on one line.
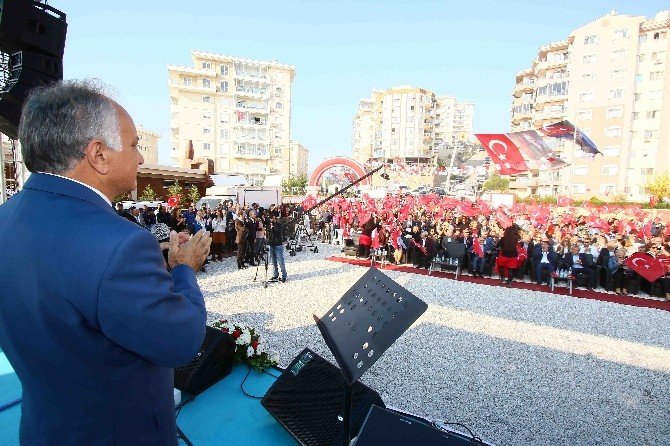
[[504, 153], [477, 247], [645, 265], [503, 220], [173, 201]]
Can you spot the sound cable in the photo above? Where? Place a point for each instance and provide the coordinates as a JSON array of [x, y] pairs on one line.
[[474, 439], [245, 380]]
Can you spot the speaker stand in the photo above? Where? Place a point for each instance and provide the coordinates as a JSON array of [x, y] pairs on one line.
[[346, 415], [362, 325], [182, 436]]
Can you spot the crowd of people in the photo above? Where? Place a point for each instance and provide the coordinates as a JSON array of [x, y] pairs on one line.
[[527, 240], [248, 231]]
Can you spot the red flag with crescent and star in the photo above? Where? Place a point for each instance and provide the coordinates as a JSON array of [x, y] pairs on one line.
[[504, 153], [645, 265]]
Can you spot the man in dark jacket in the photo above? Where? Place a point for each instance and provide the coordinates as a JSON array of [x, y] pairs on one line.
[[276, 236], [544, 258], [580, 265]]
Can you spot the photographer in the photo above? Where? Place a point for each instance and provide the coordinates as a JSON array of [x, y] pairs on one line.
[[276, 237]]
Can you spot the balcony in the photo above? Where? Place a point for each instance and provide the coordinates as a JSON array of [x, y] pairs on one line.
[[250, 122], [251, 108], [254, 76], [193, 86], [252, 92], [248, 151], [524, 87]]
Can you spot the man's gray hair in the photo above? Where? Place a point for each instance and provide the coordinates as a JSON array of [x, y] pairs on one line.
[[60, 119]]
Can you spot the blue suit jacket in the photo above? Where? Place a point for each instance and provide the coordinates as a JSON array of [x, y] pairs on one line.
[[91, 320]]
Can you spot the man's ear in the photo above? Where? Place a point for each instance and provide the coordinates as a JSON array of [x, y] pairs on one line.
[[97, 155]]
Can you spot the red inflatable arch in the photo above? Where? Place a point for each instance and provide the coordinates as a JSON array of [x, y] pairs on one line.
[[338, 161]]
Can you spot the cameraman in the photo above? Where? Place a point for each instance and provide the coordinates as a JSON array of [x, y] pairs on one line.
[[275, 235]]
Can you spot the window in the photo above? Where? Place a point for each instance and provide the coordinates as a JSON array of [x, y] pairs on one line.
[[584, 115], [586, 97], [613, 132], [187, 81], [650, 134], [587, 78], [610, 170], [653, 114], [207, 99], [206, 130], [224, 70], [206, 146], [580, 171], [589, 58], [642, 38], [279, 106], [640, 57], [207, 114], [619, 54], [395, 141], [639, 78], [618, 74], [579, 188], [395, 120], [279, 91], [658, 56], [620, 33], [224, 86], [647, 171], [616, 93], [660, 35], [207, 65], [608, 189], [206, 83], [635, 116], [225, 134], [590, 40], [637, 96], [410, 120], [558, 88], [615, 112], [611, 151], [656, 75]]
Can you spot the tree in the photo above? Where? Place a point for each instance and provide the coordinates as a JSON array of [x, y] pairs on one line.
[[175, 190], [294, 185], [148, 194], [496, 182], [193, 195], [123, 197], [659, 186]]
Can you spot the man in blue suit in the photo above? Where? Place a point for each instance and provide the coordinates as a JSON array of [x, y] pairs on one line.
[[544, 259], [90, 318]]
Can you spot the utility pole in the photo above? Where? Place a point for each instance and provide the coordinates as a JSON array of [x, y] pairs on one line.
[[451, 166]]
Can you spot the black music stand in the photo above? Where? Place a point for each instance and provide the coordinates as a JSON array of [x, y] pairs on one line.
[[363, 324]]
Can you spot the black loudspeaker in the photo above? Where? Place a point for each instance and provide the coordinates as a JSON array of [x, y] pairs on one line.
[[307, 399], [213, 362], [32, 25], [32, 43], [386, 427]]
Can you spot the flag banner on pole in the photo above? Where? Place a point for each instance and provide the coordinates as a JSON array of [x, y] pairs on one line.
[[504, 153], [536, 152], [566, 130]]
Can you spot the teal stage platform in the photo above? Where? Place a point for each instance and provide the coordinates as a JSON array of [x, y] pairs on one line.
[[220, 415]]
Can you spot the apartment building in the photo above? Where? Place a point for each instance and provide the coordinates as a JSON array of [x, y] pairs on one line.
[[299, 160], [409, 124], [608, 78], [148, 145], [235, 112]]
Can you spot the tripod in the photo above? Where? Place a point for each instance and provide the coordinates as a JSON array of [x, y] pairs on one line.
[[264, 252]]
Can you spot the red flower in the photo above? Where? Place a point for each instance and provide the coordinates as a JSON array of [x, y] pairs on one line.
[[236, 334], [254, 345]]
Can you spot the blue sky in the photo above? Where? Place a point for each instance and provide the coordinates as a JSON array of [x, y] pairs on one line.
[[341, 50]]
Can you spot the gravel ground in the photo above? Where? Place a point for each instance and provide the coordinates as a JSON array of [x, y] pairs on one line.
[[516, 366]]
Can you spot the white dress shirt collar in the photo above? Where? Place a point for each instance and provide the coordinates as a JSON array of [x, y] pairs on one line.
[[83, 184]]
